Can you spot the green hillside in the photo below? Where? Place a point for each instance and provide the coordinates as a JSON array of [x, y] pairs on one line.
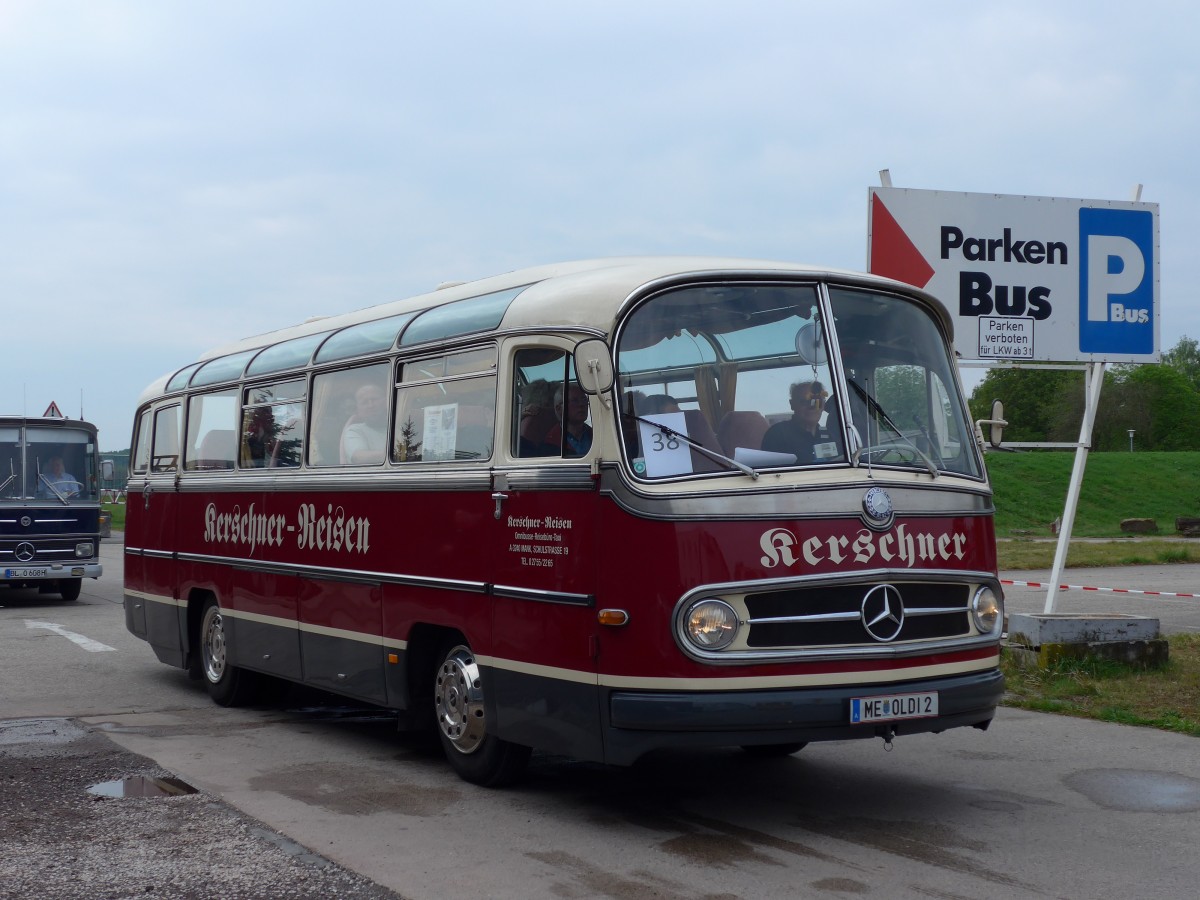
[[1031, 489]]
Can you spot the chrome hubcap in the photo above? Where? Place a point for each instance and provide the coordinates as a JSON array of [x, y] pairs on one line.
[[458, 700], [212, 643]]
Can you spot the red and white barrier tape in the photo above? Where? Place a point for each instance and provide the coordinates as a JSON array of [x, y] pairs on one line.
[[1105, 590]]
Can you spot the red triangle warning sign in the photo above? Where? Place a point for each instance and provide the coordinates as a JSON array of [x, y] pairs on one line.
[[893, 254], [53, 412]]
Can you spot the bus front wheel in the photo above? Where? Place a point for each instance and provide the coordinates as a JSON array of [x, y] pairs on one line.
[[69, 588], [475, 755], [227, 684]]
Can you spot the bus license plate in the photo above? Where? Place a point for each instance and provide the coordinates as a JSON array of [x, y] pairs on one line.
[[26, 573], [889, 707]]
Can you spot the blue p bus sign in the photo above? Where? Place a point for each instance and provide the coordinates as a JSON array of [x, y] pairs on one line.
[[1027, 278], [1116, 292]]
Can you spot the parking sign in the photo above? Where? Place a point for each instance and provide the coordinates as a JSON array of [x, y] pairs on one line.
[[1035, 278]]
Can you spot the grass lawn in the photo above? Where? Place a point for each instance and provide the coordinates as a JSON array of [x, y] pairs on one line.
[[1167, 698]]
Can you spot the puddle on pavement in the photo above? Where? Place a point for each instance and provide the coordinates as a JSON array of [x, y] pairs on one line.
[[1133, 790], [141, 786]]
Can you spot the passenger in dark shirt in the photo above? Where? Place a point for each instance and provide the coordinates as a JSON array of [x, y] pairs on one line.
[[802, 432]]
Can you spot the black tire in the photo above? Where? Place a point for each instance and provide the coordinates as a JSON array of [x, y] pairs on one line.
[[227, 684], [477, 756], [774, 751], [69, 588]]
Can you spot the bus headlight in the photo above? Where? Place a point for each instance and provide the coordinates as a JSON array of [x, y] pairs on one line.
[[986, 610], [711, 624], [83, 551]]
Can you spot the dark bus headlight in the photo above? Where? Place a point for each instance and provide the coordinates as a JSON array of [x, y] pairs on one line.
[[83, 551]]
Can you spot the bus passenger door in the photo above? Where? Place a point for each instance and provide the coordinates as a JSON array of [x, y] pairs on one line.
[[542, 573], [154, 514]]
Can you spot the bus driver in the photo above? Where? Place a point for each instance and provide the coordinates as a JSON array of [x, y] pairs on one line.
[[57, 480]]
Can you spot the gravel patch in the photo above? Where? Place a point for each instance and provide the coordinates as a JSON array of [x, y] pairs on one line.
[[57, 840]]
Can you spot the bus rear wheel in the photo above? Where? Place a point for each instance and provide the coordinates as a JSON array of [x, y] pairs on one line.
[[69, 588], [475, 755], [227, 684]]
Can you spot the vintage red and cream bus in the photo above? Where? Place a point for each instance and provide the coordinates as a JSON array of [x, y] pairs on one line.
[[49, 504], [595, 508]]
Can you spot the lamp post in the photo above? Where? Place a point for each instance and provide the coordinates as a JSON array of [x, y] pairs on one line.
[[1131, 440]]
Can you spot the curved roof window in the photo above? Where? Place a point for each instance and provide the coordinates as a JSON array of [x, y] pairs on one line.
[[180, 379], [223, 368], [288, 355], [367, 337], [475, 314]]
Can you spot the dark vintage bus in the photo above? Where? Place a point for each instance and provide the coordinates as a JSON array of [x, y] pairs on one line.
[[594, 508], [49, 504]]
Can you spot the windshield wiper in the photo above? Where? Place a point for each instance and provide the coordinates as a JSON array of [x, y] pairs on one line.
[[46, 481], [873, 406], [712, 454]]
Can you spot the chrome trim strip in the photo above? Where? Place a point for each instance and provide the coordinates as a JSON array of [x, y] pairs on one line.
[[538, 596], [791, 500], [326, 573], [848, 616]]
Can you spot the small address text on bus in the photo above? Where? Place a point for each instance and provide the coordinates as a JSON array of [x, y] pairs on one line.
[[538, 540]]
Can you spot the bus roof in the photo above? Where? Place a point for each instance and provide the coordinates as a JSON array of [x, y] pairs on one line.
[[583, 294]]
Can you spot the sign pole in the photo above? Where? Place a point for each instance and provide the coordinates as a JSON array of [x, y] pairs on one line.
[[1093, 382]]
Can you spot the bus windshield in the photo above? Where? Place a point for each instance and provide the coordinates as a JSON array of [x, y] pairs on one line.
[[54, 464], [722, 378]]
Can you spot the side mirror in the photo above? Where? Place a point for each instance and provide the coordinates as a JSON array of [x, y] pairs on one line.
[[107, 469], [996, 425], [593, 366]]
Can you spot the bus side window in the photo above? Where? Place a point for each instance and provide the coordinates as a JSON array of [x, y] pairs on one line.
[[452, 417], [538, 374], [164, 456], [349, 417], [272, 433], [141, 447], [211, 444]]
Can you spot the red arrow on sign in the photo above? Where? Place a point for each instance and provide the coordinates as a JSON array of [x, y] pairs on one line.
[[893, 255]]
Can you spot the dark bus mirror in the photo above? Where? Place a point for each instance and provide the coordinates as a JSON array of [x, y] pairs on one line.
[[593, 366]]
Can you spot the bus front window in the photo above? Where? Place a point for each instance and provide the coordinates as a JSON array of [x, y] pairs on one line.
[[719, 377], [738, 375], [902, 394], [11, 466], [60, 464]]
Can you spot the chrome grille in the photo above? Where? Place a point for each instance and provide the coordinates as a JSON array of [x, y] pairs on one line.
[[46, 550], [832, 615]]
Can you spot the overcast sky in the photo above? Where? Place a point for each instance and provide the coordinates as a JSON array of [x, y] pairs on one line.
[[174, 176]]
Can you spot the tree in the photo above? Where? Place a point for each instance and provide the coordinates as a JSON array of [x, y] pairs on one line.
[[1184, 357], [1158, 402], [1037, 402]]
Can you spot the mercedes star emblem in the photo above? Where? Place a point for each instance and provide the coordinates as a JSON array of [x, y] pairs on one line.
[[883, 612]]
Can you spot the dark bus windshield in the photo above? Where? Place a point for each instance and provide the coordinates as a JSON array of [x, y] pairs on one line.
[[38, 462]]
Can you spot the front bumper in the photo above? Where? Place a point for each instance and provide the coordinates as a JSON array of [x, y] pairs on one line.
[[642, 721], [39, 572]]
